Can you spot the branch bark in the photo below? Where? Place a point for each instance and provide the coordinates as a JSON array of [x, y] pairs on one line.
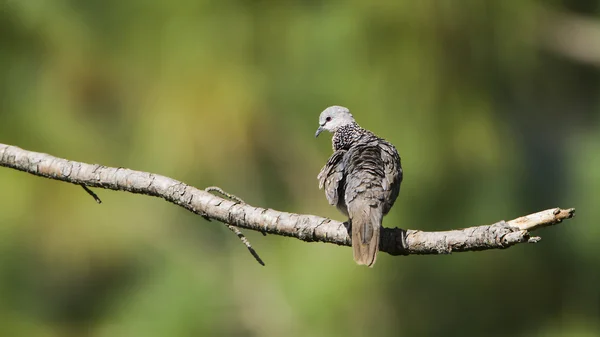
[[310, 228]]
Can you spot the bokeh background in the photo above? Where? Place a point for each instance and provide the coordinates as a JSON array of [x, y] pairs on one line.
[[493, 106]]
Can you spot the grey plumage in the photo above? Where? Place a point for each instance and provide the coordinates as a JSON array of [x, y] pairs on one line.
[[361, 178]]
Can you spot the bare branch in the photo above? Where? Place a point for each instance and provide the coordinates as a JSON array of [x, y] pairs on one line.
[[394, 241], [542, 219]]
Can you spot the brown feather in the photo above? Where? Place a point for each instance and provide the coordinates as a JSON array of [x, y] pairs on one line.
[[366, 226]]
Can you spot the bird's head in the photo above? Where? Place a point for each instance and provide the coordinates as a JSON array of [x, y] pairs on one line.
[[333, 118]]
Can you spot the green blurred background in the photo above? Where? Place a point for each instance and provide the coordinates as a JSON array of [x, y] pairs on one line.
[[493, 106]]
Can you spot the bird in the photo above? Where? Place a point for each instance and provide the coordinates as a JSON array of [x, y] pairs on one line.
[[361, 178]]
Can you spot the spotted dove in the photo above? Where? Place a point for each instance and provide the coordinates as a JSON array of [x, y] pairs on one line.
[[361, 178]]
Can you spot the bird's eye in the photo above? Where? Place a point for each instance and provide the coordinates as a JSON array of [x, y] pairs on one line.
[[328, 119]]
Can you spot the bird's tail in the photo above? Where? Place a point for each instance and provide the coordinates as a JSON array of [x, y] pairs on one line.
[[366, 225]]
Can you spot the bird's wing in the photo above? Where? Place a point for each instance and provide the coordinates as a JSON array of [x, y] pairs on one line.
[[392, 174], [331, 175]]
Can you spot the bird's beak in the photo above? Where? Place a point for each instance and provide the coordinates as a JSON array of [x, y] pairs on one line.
[[319, 130]]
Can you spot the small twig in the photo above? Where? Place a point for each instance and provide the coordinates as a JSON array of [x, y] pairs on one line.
[[234, 229], [90, 192], [228, 195], [243, 238]]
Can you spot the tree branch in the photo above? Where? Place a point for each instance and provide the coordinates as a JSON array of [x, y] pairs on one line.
[[394, 241]]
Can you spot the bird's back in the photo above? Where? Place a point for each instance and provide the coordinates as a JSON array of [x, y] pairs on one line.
[[373, 171]]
